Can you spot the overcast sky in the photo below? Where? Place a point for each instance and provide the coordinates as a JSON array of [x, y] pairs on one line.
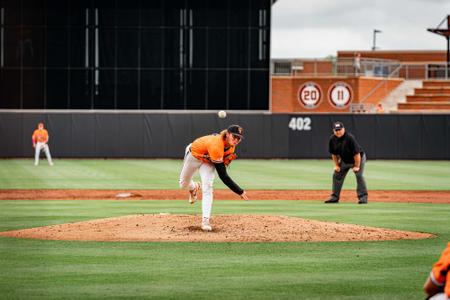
[[318, 28]]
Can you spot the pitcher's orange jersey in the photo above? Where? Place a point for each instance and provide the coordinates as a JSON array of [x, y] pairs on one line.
[[40, 136], [441, 270], [211, 148]]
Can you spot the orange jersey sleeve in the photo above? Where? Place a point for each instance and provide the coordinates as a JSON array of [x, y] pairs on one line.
[[209, 148], [40, 136], [440, 273]]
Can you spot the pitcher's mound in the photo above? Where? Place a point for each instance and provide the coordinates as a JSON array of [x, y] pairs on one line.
[[226, 228]]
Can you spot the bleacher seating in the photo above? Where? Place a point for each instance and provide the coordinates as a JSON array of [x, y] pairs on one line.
[[433, 96]]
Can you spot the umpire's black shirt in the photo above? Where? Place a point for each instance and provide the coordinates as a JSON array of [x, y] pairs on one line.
[[346, 147]]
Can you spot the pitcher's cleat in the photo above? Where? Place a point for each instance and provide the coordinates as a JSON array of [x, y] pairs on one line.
[[205, 225], [193, 194]]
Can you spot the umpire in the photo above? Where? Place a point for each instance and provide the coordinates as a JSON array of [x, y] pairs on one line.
[[346, 154]]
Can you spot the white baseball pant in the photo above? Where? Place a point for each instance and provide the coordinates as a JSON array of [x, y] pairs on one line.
[[207, 174], [39, 147]]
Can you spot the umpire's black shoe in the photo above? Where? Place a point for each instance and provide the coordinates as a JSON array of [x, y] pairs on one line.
[[362, 201], [332, 201]]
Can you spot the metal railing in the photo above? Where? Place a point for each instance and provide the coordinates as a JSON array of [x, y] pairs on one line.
[[363, 108], [368, 67], [394, 73], [429, 70]]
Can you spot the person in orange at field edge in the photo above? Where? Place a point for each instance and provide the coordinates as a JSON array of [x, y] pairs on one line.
[[380, 108], [40, 139], [208, 154], [437, 285]]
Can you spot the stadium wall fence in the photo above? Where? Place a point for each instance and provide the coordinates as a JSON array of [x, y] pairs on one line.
[[165, 134]]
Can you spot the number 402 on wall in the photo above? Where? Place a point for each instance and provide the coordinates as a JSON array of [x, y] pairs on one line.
[[300, 124]]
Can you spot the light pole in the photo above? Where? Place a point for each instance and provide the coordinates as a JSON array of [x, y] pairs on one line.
[[375, 31]]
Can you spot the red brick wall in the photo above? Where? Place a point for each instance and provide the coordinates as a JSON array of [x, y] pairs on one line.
[[365, 86], [285, 92], [282, 94], [317, 67]]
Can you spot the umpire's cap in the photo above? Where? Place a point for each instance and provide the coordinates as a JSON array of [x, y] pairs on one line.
[[338, 125], [236, 130]]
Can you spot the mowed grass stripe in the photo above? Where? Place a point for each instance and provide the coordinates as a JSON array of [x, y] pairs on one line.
[[251, 174]]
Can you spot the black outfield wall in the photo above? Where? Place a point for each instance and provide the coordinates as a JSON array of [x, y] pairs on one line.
[[165, 135]]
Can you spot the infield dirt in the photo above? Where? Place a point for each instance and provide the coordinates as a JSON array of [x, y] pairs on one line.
[[346, 196], [226, 228]]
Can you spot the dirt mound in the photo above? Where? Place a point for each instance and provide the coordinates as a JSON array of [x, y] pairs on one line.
[[226, 228], [346, 196]]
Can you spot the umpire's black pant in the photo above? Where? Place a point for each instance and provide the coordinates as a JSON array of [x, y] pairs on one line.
[[339, 177]]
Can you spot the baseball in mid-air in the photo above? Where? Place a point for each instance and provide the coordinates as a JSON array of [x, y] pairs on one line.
[[222, 114]]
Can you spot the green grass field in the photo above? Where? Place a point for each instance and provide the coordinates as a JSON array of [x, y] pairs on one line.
[[251, 174], [33, 269]]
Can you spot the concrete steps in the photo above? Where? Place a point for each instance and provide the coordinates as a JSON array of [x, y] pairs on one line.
[[436, 83], [432, 90], [399, 94], [424, 106], [434, 95], [428, 98]]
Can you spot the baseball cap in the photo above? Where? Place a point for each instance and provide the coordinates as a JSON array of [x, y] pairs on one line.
[[236, 130], [338, 125]]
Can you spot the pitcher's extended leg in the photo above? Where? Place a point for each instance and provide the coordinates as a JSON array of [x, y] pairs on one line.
[[207, 174]]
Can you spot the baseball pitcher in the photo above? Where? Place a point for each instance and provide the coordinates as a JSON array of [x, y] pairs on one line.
[[208, 154]]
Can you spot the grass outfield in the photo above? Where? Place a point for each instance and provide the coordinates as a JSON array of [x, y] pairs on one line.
[[250, 174], [33, 269]]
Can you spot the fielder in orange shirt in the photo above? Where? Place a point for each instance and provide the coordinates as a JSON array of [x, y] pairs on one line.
[[40, 139], [208, 154], [437, 286]]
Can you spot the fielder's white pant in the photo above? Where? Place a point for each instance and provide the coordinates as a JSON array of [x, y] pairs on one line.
[[440, 296], [39, 147], [207, 174]]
